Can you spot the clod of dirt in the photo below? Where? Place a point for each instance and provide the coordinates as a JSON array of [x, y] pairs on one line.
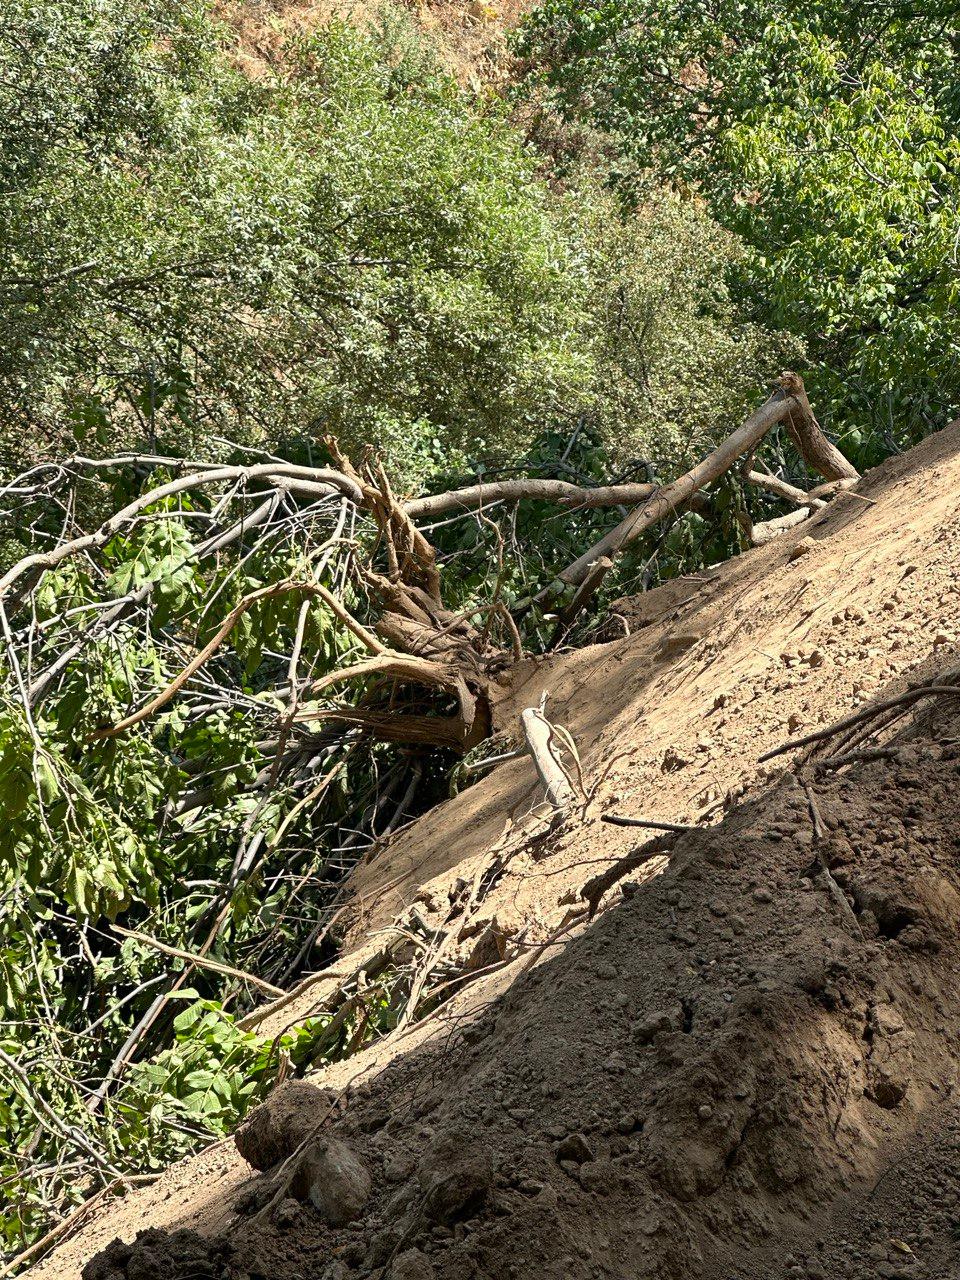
[[412, 1265], [329, 1175], [334, 1180], [163, 1255], [576, 1148], [456, 1178], [276, 1128]]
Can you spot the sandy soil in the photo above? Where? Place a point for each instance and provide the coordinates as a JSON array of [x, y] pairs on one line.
[[744, 1066]]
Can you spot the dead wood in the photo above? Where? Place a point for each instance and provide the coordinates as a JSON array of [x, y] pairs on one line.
[[546, 745], [477, 496], [667, 499], [823, 872], [901, 702], [620, 820], [805, 432], [768, 530], [788, 399], [200, 962]]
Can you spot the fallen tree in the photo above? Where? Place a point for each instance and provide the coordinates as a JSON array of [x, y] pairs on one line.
[[222, 686], [415, 640]]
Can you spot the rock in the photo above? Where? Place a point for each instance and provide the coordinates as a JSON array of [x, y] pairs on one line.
[[276, 1128], [334, 1180], [576, 1148], [678, 642], [890, 1069], [398, 1165], [886, 1020], [658, 1023], [803, 547], [548, 1198], [412, 1265], [455, 1177], [287, 1212]]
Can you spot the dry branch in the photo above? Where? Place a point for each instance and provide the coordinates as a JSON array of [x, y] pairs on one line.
[[546, 744], [39, 562], [477, 496], [789, 398], [594, 889], [200, 962], [816, 450], [248, 601], [901, 701]]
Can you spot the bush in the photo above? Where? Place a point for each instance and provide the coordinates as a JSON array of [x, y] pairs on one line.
[[346, 245], [349, 244]]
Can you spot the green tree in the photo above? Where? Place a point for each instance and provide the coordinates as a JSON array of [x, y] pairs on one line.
[[824, 135]]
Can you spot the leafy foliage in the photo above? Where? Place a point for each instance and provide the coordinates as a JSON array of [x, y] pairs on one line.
[[823, 134], [346, 244]]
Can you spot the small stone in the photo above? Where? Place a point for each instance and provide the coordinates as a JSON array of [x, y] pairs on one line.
[[287, 1212], [803, 547], [412, 1265], [762, 895], [658, 1023], [398, 1165], [705, 1111], [335, 1181], [548, 1198], [576, 1148]]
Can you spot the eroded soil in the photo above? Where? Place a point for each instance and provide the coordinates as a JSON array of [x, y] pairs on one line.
[[744, 1066]]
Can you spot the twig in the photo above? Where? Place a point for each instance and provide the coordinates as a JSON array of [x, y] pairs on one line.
[[594, 889], [200, 962], [858, 717], [619, 820], [820, 834]]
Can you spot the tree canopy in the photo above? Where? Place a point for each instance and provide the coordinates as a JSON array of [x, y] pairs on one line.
[[823, 135]]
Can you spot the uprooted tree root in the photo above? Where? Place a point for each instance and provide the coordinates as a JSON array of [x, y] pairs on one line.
[[416, 639]]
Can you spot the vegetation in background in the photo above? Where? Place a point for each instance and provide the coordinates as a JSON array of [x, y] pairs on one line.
[[824, 134], [349, 245]]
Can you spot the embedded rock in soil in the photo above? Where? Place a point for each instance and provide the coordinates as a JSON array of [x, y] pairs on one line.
[[890, 1069], [276, 1128], [456, 1178], [334, 1180], [412, 1265], [329, 1174]]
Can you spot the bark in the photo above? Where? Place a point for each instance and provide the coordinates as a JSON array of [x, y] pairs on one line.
[[667, 499], [544, 747], [770, 529], [476, 496], [805, 432], [789, 400]]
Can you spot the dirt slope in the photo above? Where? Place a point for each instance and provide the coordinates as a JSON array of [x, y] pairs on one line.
[[469, 35], [742, 1067]]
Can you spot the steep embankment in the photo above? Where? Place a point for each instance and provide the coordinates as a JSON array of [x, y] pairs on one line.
[[469, 36], [741, 1067]]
